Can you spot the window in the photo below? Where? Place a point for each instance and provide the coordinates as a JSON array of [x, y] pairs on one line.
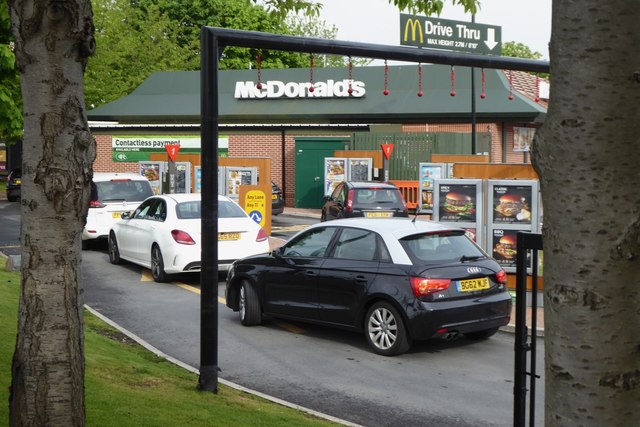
[[188, 210], [125, 190], [230, 210], [439, 247], [311, 244], [356, 244], [143, 209], [158, 211]]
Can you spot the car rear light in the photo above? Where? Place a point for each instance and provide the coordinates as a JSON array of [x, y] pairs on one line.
[[96, 204], [422, 286], [262, 235], [349, 205], [501, 276], [182, 237]]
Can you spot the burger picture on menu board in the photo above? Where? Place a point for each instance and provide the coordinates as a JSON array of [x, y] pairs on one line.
[[458, 204], [506, 246], [513, 206]]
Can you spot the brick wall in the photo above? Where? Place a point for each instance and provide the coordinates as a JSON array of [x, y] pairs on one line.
[[269, 145], [104, 158]]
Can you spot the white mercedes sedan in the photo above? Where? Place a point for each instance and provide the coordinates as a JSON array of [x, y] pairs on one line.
[[163, 234]]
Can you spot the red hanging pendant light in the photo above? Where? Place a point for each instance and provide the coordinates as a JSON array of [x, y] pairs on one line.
[[350, 90], [386, 78], [259, 66], [312, 88], [420, 93], [453, 81], [510, 86]]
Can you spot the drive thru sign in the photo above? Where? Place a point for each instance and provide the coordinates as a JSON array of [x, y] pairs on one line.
[[439, 33]]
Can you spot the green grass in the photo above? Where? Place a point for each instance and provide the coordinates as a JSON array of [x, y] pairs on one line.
[[125, 385]]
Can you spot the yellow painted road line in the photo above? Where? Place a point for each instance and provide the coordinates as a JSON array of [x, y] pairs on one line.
[[9, 247], [146, 276], [286, 326], [195, 290], [290, 228], [291, 328]]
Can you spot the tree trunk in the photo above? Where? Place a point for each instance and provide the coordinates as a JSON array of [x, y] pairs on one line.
[[587, 155], [53, 41]]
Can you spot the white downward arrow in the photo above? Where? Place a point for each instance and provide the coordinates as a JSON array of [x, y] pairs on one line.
[[491, 38]]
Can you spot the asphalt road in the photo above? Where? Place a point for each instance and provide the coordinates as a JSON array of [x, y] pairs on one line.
[[460, 383]]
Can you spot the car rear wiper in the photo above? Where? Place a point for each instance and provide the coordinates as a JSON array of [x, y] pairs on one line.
[[470, 258]]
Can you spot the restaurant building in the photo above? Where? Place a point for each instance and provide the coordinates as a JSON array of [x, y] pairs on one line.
[[298, 117]]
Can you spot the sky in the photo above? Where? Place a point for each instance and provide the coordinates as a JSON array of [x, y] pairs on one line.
[[377, 21]]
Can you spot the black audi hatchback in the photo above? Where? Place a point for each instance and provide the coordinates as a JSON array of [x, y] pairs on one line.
[[396, 280]]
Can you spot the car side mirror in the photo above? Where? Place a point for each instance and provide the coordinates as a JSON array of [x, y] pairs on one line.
[[125, 215], [277, 252]]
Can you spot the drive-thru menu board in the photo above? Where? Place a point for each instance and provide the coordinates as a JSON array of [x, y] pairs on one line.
[[429, 172], [460, 201], [513, 205]]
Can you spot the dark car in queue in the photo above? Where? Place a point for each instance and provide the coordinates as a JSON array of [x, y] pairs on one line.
[[396, 280], [14, 184], [277, 199], [368, 199]]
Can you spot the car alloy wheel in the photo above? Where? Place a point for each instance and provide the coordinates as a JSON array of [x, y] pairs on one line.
[[249, 306], [385, 330], [114, 252], [157, 265]]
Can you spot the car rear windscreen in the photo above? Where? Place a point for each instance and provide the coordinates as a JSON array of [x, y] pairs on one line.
[[191, 210], [122, 191], [440, 247]]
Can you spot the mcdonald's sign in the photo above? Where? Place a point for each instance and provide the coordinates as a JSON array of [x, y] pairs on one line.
[[413, 27], [436, 33]]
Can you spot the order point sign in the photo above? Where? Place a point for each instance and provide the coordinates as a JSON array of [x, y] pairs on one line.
[[387, 149], [172, 150]]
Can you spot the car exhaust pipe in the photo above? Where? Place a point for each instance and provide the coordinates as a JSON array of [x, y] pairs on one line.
[[450, 336]]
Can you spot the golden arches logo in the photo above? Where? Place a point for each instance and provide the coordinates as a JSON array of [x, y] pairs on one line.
[[415, 25]]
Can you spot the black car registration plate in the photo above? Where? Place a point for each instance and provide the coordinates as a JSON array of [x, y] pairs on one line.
[[472, 285]]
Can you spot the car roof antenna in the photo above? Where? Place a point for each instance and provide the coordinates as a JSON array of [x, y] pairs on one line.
[[416, 215]]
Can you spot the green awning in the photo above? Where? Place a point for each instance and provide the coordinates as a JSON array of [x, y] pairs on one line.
[[174, 97]]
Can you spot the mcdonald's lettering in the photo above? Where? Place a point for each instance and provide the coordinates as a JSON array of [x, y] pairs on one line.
[[415, 26]]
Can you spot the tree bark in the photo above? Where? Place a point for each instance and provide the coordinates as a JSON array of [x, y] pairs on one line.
[[53, 41], [587, 155]]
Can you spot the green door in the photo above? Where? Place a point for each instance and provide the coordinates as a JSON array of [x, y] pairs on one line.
[[310, 154]]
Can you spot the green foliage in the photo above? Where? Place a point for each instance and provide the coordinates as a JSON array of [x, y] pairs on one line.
[[519, 50], [434, 7], [10, 97], [130, 45], [136, 38]]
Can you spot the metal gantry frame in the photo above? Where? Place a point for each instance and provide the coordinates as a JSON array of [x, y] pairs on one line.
[[213, 41]]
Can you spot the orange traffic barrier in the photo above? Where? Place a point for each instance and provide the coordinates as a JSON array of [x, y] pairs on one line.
[[409, 190]]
